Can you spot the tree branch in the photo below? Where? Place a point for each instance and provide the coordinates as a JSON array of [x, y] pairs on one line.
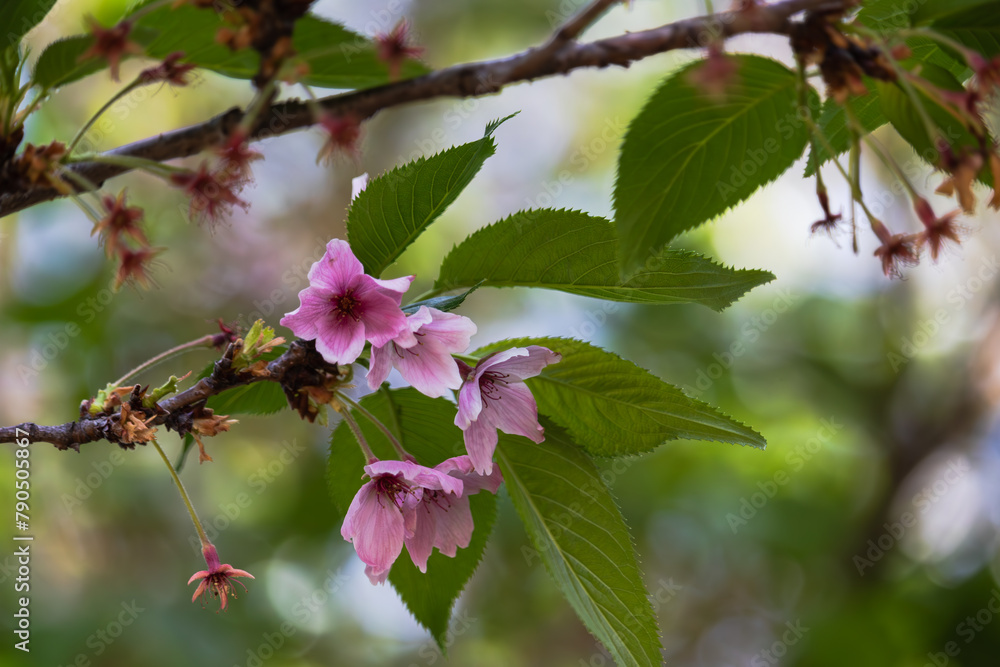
[[301, 366], [560, 55]]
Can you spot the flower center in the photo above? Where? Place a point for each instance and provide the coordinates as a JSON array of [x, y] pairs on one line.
[[392, 488], [346, 305], [492, 384]]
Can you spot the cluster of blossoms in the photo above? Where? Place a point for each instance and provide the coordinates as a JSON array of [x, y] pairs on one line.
[[405, 503]]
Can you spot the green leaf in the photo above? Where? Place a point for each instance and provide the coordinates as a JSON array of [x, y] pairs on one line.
[[577, 253], [833, 122], [688, 157], [614, 408], [426, 428], [442, 303], [19, 16], [977, 28], [259, 398], [578, 532], [927, 11], [904, 116], [397, 206]]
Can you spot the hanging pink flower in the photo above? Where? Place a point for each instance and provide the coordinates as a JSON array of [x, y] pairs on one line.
[[494, 396], [343, 307], [218, 580], [423, 353], [381, 515], [444, 521]]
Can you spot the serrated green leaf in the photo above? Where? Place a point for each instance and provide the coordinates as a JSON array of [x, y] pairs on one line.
[[614, 408], [442, 303], [17, 17], [688, 157], [884, 15], [259, 398], [578, 532], [905, 118], [426, 428], [577, 253], [977, 28], [833, 122], [393, 210]]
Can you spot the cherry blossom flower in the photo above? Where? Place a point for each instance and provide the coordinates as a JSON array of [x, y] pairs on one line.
[[423, 355], [217, 580], [133, 266], [112, 44], [381, 515], [444, 521], [235, 159], [343, 307], [494, 396], [896, 251]]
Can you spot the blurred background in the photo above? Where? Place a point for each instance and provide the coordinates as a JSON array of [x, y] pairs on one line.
[[867, 532]]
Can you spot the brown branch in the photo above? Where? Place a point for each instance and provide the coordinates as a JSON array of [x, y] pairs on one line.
[[468, 80], [301, 366]]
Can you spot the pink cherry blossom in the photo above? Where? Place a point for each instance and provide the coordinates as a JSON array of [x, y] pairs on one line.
[[423, 353], [494, 396], [445, 522], [380, 517], [218, 580], [343, 307]]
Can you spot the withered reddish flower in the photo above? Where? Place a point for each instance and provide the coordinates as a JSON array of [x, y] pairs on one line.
[[236, 156], [169, 70], [134, 266], [987, 71], [212, 197], [937, 230], [342, 133], [218, 580], [39, 165], [959, 183], [112, 44], [830, 220], [120, 221], [716, 75], [393, 48], [896, 251]]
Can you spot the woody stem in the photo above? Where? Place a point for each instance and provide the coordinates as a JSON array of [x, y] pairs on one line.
[[187, 500]]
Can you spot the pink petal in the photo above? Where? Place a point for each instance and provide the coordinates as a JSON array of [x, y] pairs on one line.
[[472, 482], [417, 475], [376, 577], [470, 402], [314, 306], [198, 575], [380, 366], [394, 288], [421, 543], [526, 365], [454, 526], [383, 320], [374, 525], [337, 268], [429, 368], [340, 340], [480, 441], [516, 412], [453, 332]]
